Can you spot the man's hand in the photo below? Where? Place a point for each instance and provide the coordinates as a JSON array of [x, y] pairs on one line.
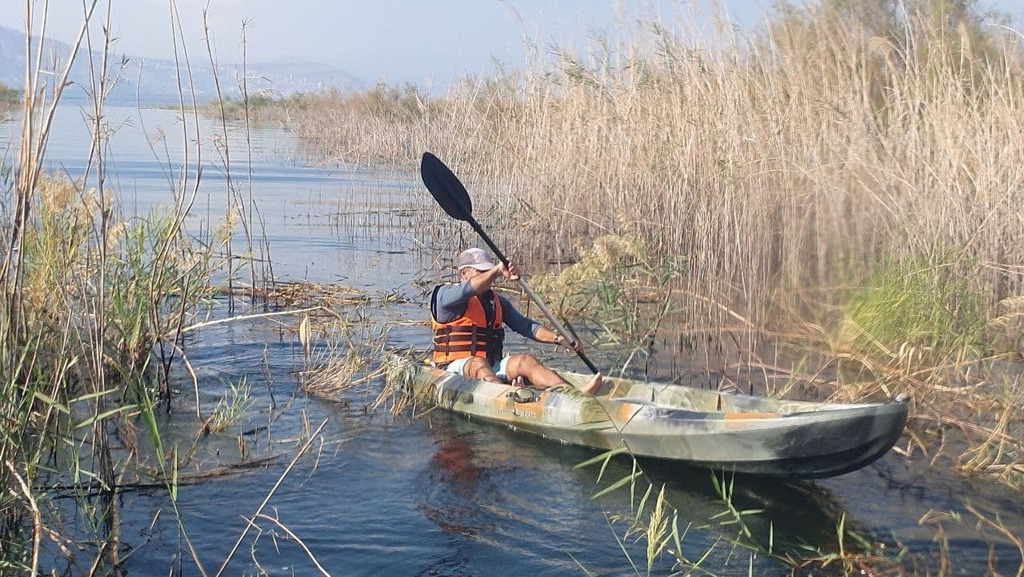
[[571, 345], [511, 272]]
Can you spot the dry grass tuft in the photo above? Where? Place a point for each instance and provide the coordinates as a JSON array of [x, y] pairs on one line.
[[350, 355], [1005, 331], [608, 256]]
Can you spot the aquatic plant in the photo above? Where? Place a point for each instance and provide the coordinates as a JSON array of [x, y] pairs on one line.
[[708, 153], [9, 97], [906, 328], [56, 393], [348, 355], [657, 525], [232, 406], [781, 163], [617, 293]]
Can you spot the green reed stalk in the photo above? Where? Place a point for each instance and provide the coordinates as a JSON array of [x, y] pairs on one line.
[[225, 152], [23, 364], [250, 209]]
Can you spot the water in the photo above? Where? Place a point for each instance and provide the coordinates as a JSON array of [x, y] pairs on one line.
[[432, 494]]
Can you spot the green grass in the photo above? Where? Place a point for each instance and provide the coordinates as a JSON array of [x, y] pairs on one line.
[[231, 407], [930, 310]]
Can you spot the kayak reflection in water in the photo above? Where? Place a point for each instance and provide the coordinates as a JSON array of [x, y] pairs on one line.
[[452, 504], [468, 320]]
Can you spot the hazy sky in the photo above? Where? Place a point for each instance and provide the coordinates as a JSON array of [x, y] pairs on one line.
[[428, 42]]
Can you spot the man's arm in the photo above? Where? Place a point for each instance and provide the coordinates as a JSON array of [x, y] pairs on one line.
[[482, 282], [518, 322], [450, 302], [531, 329]]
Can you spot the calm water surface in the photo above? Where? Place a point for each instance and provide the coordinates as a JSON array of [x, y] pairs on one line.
[[427, 495]]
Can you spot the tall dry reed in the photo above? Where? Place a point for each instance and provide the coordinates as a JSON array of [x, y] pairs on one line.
[[795, 159], [790, 167]]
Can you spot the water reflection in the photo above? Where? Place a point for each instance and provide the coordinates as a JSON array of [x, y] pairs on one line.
[[451, 468], [488, 488], [884, 506], [776, 515]]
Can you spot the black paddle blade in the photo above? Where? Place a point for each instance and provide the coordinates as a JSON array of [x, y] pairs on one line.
[[446, 188]]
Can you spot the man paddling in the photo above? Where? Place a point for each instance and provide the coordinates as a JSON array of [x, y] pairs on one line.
[[468, 320]]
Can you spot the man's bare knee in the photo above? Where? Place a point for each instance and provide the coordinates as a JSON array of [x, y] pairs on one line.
[[472, 366], [520, 365], [477, 368]]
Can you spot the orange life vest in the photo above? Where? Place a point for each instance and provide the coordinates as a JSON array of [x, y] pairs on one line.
[[470, 335]]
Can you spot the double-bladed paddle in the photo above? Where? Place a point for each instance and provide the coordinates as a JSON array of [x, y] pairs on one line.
[[449, 192]]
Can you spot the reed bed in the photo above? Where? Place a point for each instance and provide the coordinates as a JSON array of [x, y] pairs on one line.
[[801, 158], [841, 165], [87, 294], [840, 185]]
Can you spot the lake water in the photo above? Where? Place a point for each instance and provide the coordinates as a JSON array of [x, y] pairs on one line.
[[432, 495]]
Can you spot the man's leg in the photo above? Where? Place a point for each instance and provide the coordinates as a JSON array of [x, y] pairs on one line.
[[541, 377], [479, 368]]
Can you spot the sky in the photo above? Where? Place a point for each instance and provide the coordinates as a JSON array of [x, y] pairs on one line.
[[425, 42]]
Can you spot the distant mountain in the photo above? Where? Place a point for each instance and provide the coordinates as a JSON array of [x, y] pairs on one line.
[[155, 81]]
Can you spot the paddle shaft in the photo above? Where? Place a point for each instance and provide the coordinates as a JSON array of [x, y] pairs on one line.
[[529, 292]]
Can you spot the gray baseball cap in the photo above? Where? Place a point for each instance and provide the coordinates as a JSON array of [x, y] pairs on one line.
[[476, 258]]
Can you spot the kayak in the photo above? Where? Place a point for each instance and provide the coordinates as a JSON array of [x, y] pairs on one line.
[[716, 430]]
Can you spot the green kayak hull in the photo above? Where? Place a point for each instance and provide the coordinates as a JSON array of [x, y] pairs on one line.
[[702, 428]]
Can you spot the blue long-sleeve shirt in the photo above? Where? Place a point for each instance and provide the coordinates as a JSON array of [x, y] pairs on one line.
[[451, 302]]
